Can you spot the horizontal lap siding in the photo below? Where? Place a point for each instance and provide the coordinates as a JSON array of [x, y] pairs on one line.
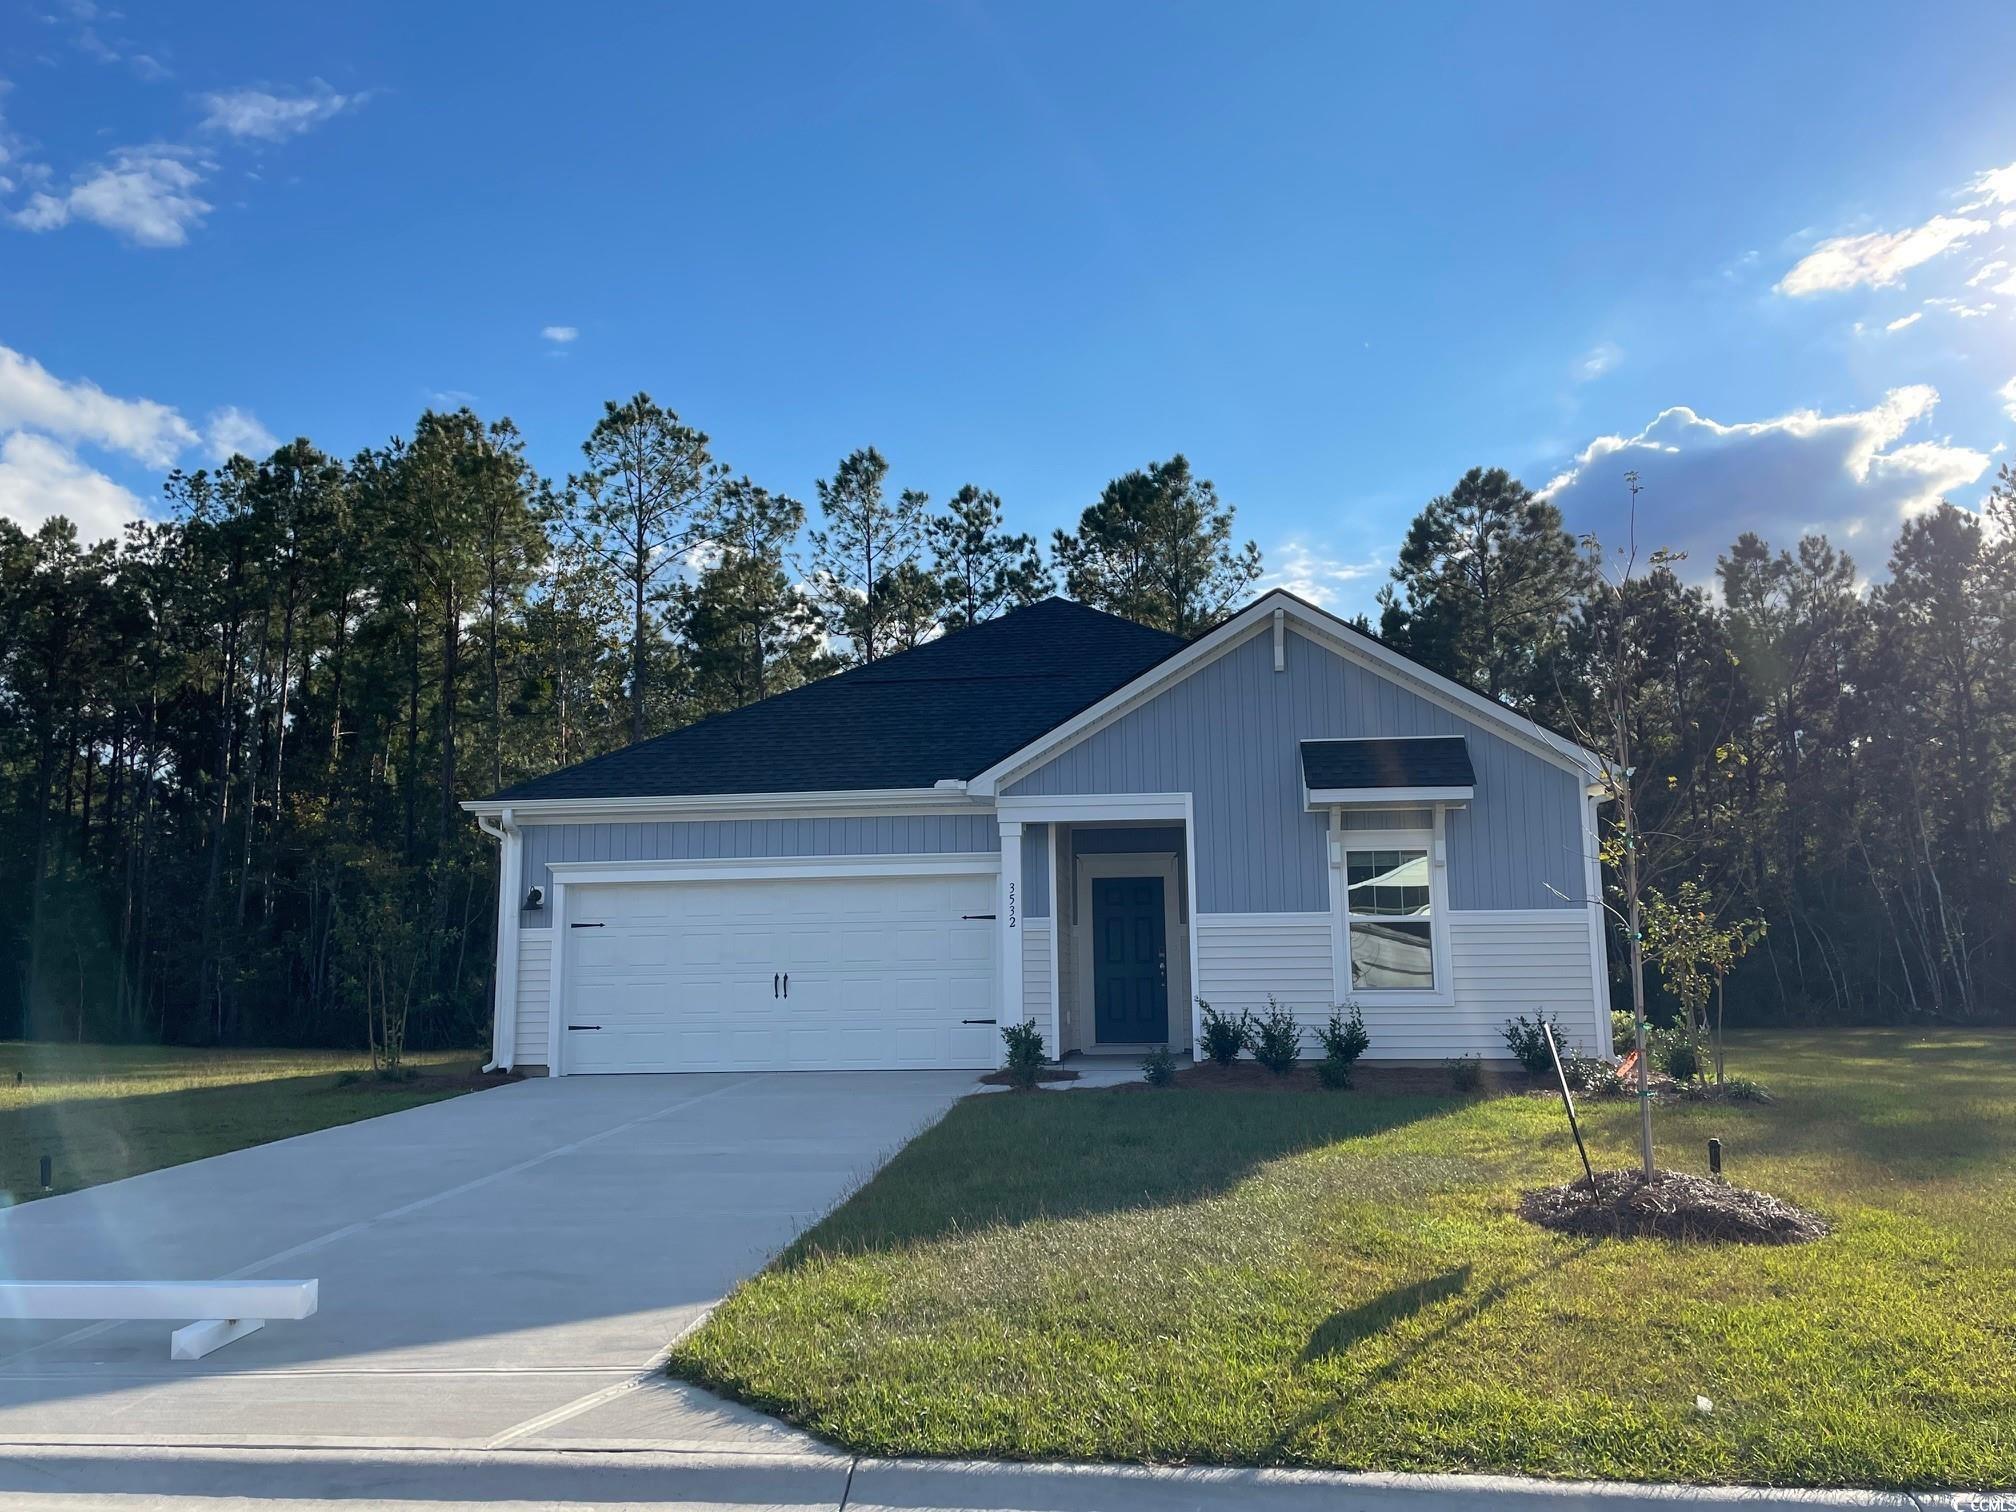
[[1525, 963], [535, 978], [1503, 963], [1036, 978], [721, 839], [1241, 958], [1230, 733]]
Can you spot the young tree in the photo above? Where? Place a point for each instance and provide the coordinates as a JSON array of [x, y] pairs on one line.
[[1695, 952], [866, 543], [1157, 548], [983, 570], [643, 503], [1484, 586]]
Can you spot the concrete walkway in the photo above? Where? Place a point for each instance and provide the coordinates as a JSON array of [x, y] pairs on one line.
[[499, 1269]]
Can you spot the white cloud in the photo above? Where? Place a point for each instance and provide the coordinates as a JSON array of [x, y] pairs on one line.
[[1960, 309], [1986, 271], [559, 333], [41, 478], [1705, 482], [145, 194], [1905, 320], [1598, 360], [263, 116], [1879, 259], [232, 431], [1308, 573], [33, 398], [2007, 394], [1995, 187]]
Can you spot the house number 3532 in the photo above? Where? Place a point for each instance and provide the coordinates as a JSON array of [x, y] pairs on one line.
[[1011, 905]]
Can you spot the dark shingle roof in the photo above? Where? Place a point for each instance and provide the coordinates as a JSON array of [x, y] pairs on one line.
[[1431, 761], [950, 708]]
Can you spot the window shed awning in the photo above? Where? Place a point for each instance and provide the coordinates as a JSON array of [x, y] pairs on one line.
[[1393, 770]]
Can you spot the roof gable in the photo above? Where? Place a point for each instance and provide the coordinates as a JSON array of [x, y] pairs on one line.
[[1284, 609]]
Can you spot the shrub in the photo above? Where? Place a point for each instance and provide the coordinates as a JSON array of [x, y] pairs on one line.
[[1674, 1051], [1343, 1040], [1527, 1040], [1224, 1036], [1592, 1077], [1158, 1067], [1025, 1053], [1277, 1039], [1743, 1089], [1623, 1031], [1466, 1074]]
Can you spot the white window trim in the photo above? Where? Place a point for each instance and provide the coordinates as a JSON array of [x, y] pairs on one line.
[[1433, 840]]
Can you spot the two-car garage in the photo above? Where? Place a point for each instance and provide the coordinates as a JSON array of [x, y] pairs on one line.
[[765, 972]]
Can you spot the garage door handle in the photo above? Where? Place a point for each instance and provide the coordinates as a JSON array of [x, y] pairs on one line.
[[787, 984], [773, 984]]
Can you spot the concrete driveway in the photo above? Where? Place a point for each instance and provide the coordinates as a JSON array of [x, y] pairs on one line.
[[496, 1270]]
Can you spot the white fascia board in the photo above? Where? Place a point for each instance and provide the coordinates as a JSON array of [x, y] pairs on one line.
[[768, 869], [1335, 636], [844, 804], [1087, 808], [1389, 796]]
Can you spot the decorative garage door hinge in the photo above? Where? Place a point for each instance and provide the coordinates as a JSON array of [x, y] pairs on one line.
[[976, 916], [571, 1028], [584, 926]]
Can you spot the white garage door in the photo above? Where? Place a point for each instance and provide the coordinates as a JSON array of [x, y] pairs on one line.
[[855, 973]]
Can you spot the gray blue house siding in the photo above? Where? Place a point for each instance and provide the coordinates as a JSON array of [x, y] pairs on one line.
[[716, 839], [1228, 734]]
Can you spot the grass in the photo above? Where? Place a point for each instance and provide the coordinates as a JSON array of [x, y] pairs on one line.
[[106, 1111], [1339, 1280]]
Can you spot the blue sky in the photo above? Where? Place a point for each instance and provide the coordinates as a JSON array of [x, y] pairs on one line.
[[1335, 255]]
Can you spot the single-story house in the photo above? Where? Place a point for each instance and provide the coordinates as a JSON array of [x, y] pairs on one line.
[[1063, 816]]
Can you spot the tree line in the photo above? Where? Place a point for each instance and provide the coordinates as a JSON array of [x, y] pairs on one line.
[[233, 742]]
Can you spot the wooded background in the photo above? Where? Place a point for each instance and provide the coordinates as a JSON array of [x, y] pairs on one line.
[[233, 742]]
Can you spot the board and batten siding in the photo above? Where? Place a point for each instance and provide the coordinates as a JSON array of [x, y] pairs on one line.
[[1502, 963], [717, 839], [1229, 735], [535, 1000]]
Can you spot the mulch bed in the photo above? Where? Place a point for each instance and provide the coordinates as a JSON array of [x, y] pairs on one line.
[[1047, 1074], [1390, 1081], [1673, 1205]]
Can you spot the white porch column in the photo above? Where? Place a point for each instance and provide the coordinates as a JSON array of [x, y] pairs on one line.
[[1008, 924]]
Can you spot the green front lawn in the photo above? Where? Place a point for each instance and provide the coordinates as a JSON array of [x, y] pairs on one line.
[[106, 1111], [1339, 1280]]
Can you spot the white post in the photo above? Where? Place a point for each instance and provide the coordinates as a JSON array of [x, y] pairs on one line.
[[510, 878], [1008, 924]]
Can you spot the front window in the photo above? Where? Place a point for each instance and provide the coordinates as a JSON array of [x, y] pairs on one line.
[[1392, 919]]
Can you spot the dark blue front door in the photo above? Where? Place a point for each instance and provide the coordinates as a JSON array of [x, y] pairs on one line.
[[1130, 969]]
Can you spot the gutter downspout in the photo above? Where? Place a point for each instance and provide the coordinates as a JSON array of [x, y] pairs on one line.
[[504, 1008]]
